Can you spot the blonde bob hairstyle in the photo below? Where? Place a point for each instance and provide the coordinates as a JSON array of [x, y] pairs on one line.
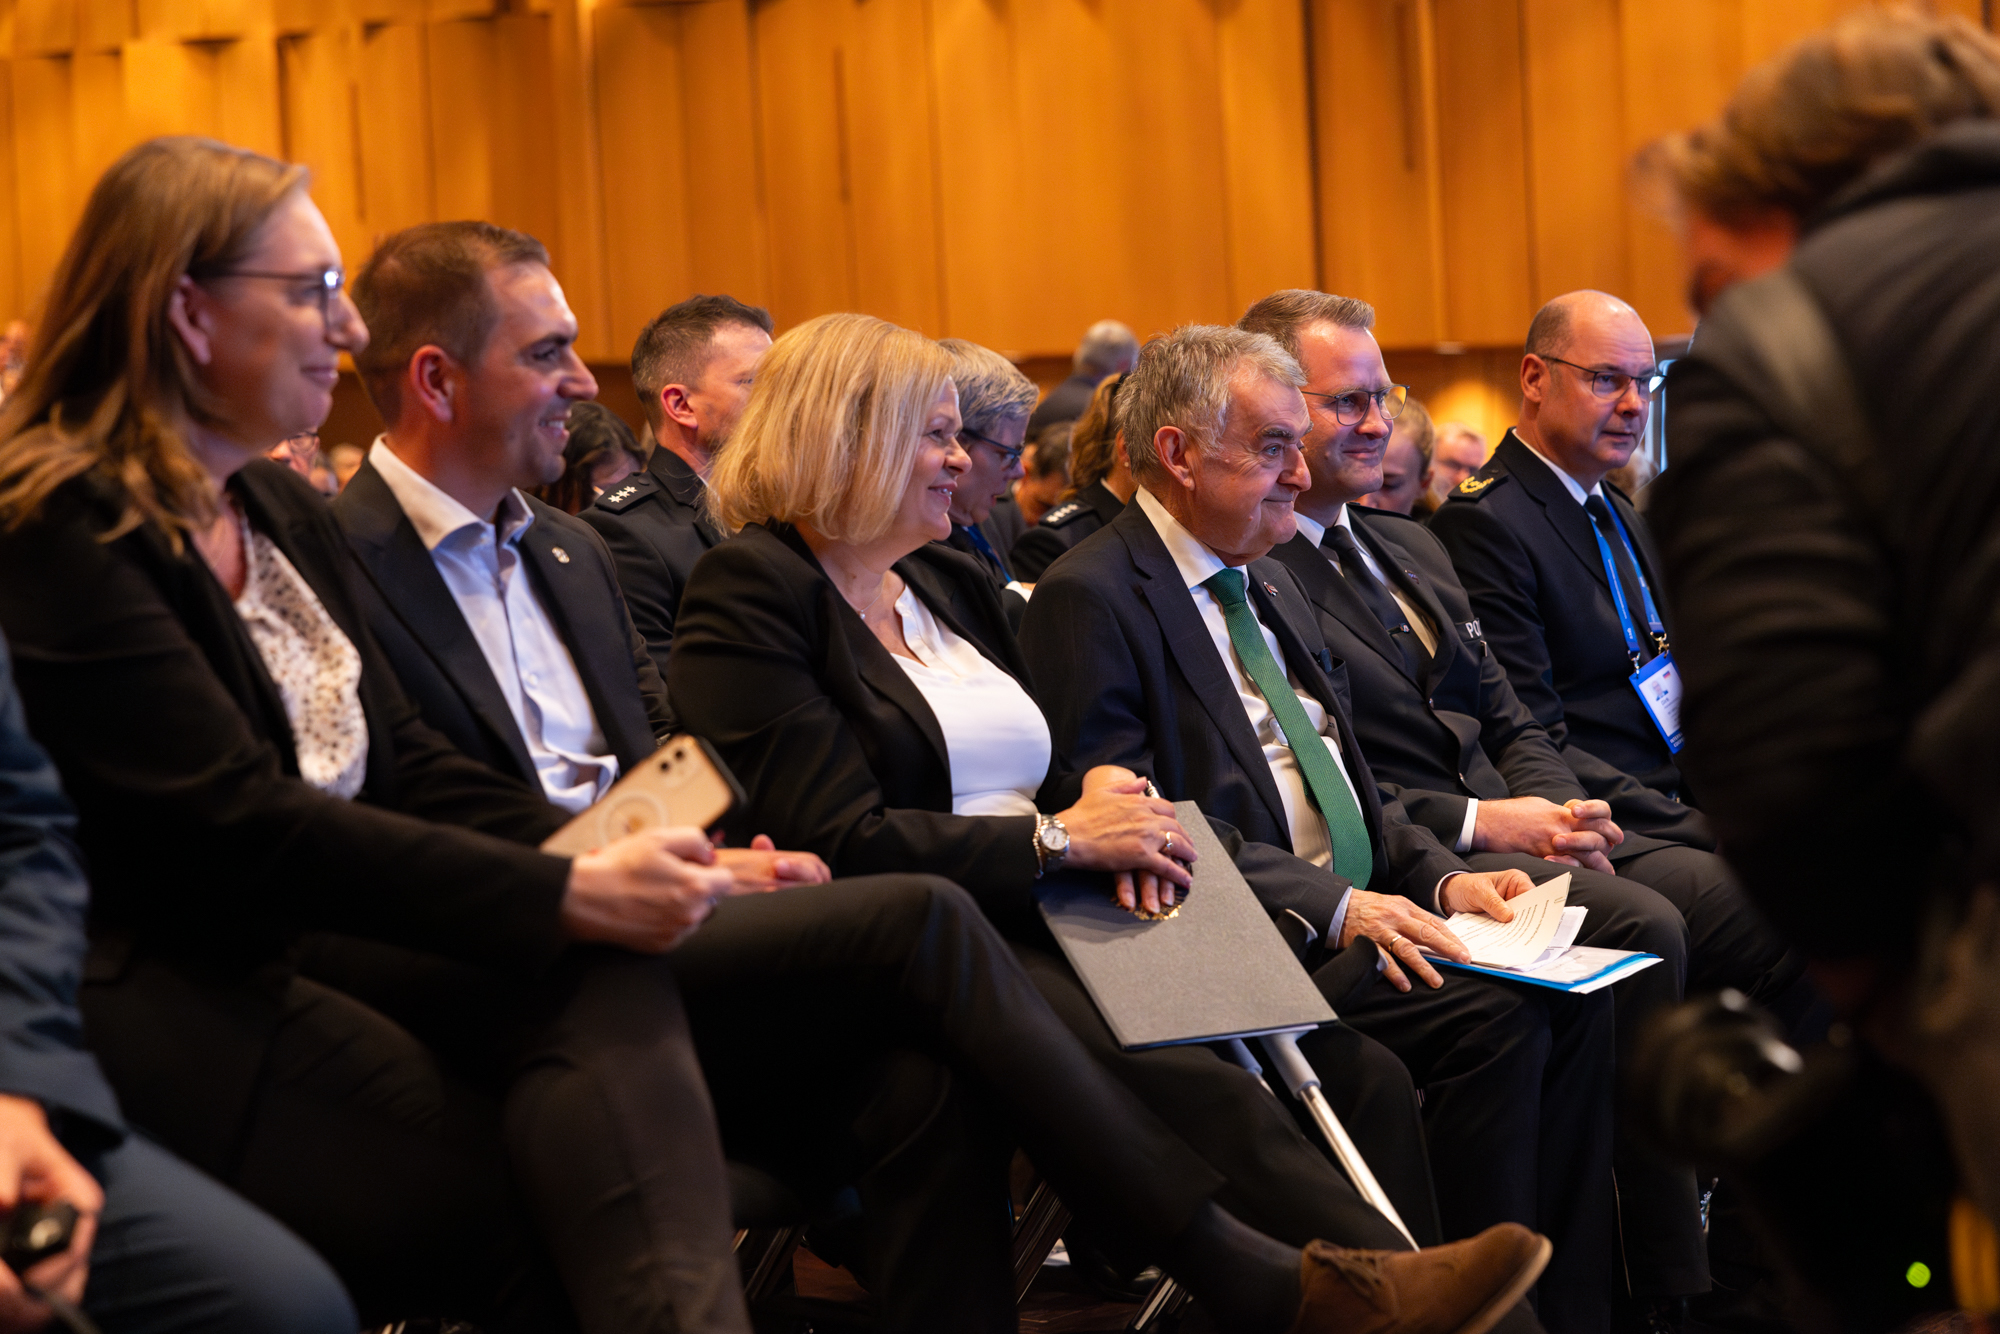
[[107, 378], [830, 435]]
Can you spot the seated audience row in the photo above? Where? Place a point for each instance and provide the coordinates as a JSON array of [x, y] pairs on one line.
[[317, 922]]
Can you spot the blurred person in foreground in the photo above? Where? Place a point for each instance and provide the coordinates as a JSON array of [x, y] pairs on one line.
[[1406, 466], [1100, 485], [602, 452], [1829, 529]]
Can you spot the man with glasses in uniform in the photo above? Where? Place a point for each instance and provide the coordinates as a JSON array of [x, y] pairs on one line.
[[1561, 570]]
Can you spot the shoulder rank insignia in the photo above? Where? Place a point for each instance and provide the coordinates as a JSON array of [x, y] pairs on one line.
[[1062, 514], [623, 495], [1472, 486]]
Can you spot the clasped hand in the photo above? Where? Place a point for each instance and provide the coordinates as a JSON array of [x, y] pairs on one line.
[[36, 1169], [1116, 827], [1403, 931], [1577, 833], [650, 890]]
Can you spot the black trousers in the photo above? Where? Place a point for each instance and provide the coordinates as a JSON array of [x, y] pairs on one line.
[[1517, 1085], [1681, 904]]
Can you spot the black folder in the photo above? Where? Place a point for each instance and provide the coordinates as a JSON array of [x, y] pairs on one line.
[[1217, 969]]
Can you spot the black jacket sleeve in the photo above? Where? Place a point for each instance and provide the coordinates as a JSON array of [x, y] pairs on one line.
[[756, 659]]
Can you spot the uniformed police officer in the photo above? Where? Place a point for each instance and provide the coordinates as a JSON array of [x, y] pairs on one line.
[[1100, 485], [693, 367]]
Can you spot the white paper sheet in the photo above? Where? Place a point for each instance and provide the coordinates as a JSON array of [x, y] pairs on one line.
[[1538, 916]]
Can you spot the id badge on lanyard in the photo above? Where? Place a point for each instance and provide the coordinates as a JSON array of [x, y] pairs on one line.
[[1659, 681]]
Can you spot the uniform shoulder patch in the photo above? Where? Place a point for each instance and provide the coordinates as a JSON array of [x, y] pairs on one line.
[[628, 493], [1064, 513], [1476, 487]]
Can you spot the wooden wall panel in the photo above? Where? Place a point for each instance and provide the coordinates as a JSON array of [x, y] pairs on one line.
[[1266, 152], [1375, 113], [809, 177], [890, 115], [1576, 147], [393, 104], [727, 236], [1073, 208], [997, 218], [1483, 171], [48, 198], [1003, 170], [648, 189]]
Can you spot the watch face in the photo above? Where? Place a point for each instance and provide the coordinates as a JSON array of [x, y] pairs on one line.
[[1054, 837]]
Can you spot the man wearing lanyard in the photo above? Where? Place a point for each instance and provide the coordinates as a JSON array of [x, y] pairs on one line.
[[1559, 565]]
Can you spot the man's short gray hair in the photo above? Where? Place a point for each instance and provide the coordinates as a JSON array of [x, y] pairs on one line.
[[990, 387], [1183, 380], [1288, 314], [1107, 348]]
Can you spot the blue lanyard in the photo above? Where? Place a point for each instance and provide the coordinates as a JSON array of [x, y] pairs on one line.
[[1653, 621]]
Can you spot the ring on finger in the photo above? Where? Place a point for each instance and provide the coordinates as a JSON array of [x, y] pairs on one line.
[[1394, 940]]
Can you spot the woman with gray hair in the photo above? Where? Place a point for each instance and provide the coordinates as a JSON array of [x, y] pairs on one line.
[[994, 400]]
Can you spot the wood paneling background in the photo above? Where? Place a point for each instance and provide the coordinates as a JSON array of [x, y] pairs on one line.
[[1001, 170]]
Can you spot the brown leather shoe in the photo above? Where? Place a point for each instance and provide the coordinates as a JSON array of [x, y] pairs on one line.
[[1462, 1288]]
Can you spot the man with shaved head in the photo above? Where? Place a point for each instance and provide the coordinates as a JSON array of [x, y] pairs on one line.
[[1561, 570]]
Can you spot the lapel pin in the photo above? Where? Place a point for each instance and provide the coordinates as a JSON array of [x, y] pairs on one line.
[[1271, 588], [559, 554], [1413, 576]]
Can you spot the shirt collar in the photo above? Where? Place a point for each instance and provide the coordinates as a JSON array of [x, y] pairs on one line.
[[1314, 530], [1570, 484], [438, 516], [1196, 562]]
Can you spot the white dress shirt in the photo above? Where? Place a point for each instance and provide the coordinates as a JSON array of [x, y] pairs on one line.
[[1426, 634], [481, 565], [995, 736], [1197, 564]]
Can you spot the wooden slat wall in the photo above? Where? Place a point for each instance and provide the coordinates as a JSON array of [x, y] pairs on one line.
[[1007, 172]]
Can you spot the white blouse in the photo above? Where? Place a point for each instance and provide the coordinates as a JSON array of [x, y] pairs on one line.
[[994, 734], [315, 666]]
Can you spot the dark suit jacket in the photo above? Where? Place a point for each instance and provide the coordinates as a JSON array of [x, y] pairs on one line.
[[1063, 403], [1132, 678], [1527, 554], [1842, 653], [842, 754], [1003, 527], [43, 900], [1457, 729], [420, 627], [1062, 528], [656, 526], [172, 740]]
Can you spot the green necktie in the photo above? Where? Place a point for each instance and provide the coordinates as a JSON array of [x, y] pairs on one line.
[[1352, 856]]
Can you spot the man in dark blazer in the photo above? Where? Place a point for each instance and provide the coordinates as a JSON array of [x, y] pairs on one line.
[[693, 367], [1108, 348], [1524, 535], [1145, 657], [1447, 738], [158, 1244]]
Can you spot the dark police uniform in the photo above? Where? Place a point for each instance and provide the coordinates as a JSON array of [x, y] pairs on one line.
[[657, 527], [1062, 528]]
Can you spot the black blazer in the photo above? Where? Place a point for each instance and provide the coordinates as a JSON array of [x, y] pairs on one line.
[[1131, 677], [1527, 554], [842, 754], [437, 659], [656, 525], [1062, 528], [172, 740], [1456, 730]]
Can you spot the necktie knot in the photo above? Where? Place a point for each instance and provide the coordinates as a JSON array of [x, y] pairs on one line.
[[1227, 587]]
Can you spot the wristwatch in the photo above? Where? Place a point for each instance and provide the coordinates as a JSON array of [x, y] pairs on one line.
[[1051, 844]]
